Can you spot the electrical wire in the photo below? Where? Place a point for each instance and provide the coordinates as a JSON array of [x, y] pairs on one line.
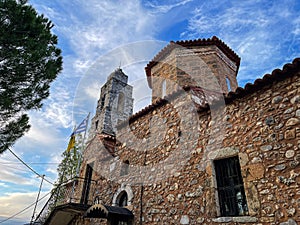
[[25, 164], [23, 210]]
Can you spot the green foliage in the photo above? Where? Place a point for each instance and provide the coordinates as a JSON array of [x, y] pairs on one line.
[[67, 171], [29, 62], [68, 167]]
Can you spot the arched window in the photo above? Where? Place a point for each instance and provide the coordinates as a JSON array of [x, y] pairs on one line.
[[121, 101], [96, 124], [163, 88], [123, 199], [102, 101], [124, 168], [228, 84], [122, 194]]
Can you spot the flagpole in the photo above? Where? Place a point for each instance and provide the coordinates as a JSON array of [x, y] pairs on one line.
[[82, 146], [80, 156]]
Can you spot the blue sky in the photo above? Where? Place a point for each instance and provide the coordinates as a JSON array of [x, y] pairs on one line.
[[96, 36]]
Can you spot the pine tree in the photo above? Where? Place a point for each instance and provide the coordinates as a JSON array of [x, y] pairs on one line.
[[29, 62]]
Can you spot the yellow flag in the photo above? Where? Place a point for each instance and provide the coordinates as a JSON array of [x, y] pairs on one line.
[[71, 143]]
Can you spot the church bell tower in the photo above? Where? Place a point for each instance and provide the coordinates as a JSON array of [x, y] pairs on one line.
[[114, 105]]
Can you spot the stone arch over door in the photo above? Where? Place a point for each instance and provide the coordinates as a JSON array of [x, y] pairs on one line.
[[119, 193]]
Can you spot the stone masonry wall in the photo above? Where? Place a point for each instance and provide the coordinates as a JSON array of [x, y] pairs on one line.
[[205, 66], [172, 155], [262, 129], [164, 70]]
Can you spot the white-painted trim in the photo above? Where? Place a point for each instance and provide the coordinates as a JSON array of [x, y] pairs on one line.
[[118, 193]]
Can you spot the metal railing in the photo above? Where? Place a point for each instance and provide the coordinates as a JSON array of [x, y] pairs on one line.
[[77, 190]]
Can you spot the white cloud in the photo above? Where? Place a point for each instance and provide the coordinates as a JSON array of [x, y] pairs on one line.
[[59, 105], [51, 169], [15, 175], [166, 7], [253, 29], [296, 24], [3, 185], [41, 134], [141, 91], [91, 32], [93, 90], [12, 203], [12, 171], [10, 174], [103, 26]]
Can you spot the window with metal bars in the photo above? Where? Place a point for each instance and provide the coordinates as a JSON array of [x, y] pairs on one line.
[[230, 188]]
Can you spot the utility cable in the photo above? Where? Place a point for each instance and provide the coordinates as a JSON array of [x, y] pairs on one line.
[[25, 164]]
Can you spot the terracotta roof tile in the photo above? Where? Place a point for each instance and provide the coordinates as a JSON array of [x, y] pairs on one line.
[[289, 70]]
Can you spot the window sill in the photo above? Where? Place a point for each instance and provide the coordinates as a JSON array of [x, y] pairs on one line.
[[240, 219]]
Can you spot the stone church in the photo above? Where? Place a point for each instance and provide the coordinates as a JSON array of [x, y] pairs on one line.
[[205, 151]]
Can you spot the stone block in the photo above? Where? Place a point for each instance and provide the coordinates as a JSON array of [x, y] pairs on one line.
[[252, 198], [243, 159], [266, 148], [185, 219], [298, 113], [222, 219], [292, 122], [295, 99], [253, 171], [289, 154], [280, 167], [289, 222], [244, 219], [290, 134], [267, 219], [277, 99]]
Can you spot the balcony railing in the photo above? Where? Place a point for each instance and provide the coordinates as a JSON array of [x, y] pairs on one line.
[[78, 191]]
